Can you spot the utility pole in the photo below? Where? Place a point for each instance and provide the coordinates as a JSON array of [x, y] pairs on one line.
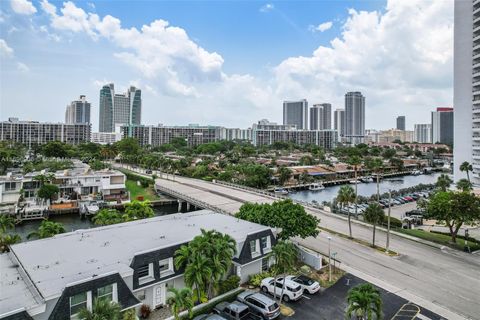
[[388, 219], [329, 261]]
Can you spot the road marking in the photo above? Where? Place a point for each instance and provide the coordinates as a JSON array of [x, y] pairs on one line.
[[408, 311], [308, 298]]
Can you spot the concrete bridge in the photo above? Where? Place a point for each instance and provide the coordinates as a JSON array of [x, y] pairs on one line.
[[440, 279]]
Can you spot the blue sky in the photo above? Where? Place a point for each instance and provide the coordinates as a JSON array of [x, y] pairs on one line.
[[226, 62]]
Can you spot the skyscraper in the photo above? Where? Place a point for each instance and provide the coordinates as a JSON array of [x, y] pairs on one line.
[[422, 133], [466, 88], [316, 117], [119, 109], [354, 117], [296, 112], [339, 122], [327, 116], [401, 123], [78, 111], [442, 126]]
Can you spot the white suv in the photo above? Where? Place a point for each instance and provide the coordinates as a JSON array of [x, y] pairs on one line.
[[292, 290]]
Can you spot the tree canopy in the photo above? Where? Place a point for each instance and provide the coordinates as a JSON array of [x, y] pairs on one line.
[[292, 218]]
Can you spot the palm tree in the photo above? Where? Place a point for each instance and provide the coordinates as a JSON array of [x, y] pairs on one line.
[[103, 309], [181, 300], [6, 222], [284, 174], [285, 254], [346, 195], [443, 182], [464, 185], [467, 167], [47, 229], [364, 302], [6, 240], [376, 165], [374, 214], [354, 161]]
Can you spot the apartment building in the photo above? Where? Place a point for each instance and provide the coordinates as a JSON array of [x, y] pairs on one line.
[[326, 139], [36, 133], [422, 133], [56, 277], [296, 113], [78, 111]]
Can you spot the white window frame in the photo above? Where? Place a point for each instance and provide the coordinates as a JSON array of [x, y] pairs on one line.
[[170, 269], [148, 278], [114, 293], [89, 305], [268, 247], [257, 251]]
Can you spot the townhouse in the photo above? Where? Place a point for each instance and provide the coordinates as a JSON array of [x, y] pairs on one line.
[[131, 263]]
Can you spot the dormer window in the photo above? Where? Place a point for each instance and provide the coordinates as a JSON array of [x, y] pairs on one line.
[[145, 273], [255, 248], [166, 267], [266, 244]]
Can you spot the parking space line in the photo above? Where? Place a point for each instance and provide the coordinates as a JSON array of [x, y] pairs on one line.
[[408, 311], [308, 298]]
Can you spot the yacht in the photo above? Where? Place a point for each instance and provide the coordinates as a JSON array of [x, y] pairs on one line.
[[316, 187], [354, 181], [92, 208], [416, 172], [367, 179], [280, 191]]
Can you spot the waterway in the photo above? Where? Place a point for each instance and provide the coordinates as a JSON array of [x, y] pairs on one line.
[[366, 189], [73, 222]]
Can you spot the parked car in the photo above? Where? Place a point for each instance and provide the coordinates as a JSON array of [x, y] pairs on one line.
[[232, 310], [308, 284], [148, 171], [290, 290], [260, 305], [209, 317]]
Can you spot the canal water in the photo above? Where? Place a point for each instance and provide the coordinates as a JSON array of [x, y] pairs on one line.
[[366, 189], [72, 221]]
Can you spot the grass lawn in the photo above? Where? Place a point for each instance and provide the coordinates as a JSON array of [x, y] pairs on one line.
[[440, 238], [136, 190]]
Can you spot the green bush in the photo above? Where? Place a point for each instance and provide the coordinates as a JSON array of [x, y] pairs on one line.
[[228, 284], [145, 182], [256, 279], [394, 222]]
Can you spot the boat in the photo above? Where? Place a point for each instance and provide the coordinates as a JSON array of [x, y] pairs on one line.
[[316, 187], [416, 172], [354, 181], [366, 179], [280, 191], [91, 208]]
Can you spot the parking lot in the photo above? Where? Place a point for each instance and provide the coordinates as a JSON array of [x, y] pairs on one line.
[[331, 304]]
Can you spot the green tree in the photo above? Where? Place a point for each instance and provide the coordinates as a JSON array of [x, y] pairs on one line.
[[6, 240], [47, 229], [181, 300], [345, 196], [138, 210], [290, 217], [376, 165], [355, 162], [466, 167], [364, 303], [56, 149], [6, 222], [284, 174], [107, 217], [464, 185], [374, 214], [128, 147], [285, 255], [389, 153], [47, 191], [443, 182], [103, 309], [454, 209]]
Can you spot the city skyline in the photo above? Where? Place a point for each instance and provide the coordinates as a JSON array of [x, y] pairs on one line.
[[212, 75]]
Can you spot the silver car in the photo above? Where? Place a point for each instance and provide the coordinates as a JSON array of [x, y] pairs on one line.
[[209, 317], [260, 305]]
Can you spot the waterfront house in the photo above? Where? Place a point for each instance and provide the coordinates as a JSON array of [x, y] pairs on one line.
[[131, 263]]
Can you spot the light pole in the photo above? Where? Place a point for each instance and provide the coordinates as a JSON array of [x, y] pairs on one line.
[[329, 262], [388, 219]]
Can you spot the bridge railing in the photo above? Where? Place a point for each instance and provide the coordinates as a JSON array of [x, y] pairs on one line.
[[254, 190]]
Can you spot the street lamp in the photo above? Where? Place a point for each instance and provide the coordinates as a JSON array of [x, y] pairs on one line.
[[388, 219], [329, 262]]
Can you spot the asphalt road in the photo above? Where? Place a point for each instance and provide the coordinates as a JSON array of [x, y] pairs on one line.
[[444, 278]]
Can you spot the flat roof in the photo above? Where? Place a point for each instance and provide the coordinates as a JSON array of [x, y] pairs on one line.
[[53, 263]]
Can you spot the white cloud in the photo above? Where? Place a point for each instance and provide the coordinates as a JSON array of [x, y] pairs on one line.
[[23, 7], [5, 50], [321, 27], [22, 67], [267, 7], [91, 5]]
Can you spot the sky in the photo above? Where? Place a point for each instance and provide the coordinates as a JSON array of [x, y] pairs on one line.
[[228, 63]]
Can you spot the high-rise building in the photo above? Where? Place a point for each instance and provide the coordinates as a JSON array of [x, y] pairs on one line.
[[296, 113], [354, 117], [401, 123], [78, 111], [466, 88], [119, 109], [442, 126], [339, 122], [316, 117], [422, 133], [327, 116]]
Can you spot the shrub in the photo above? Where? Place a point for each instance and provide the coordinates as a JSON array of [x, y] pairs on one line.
[[145, 311], [144, 183], [256, 279], [129, 315], [394, 222], [228, 284]]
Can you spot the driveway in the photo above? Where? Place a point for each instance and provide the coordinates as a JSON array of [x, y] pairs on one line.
[[331, 304]]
